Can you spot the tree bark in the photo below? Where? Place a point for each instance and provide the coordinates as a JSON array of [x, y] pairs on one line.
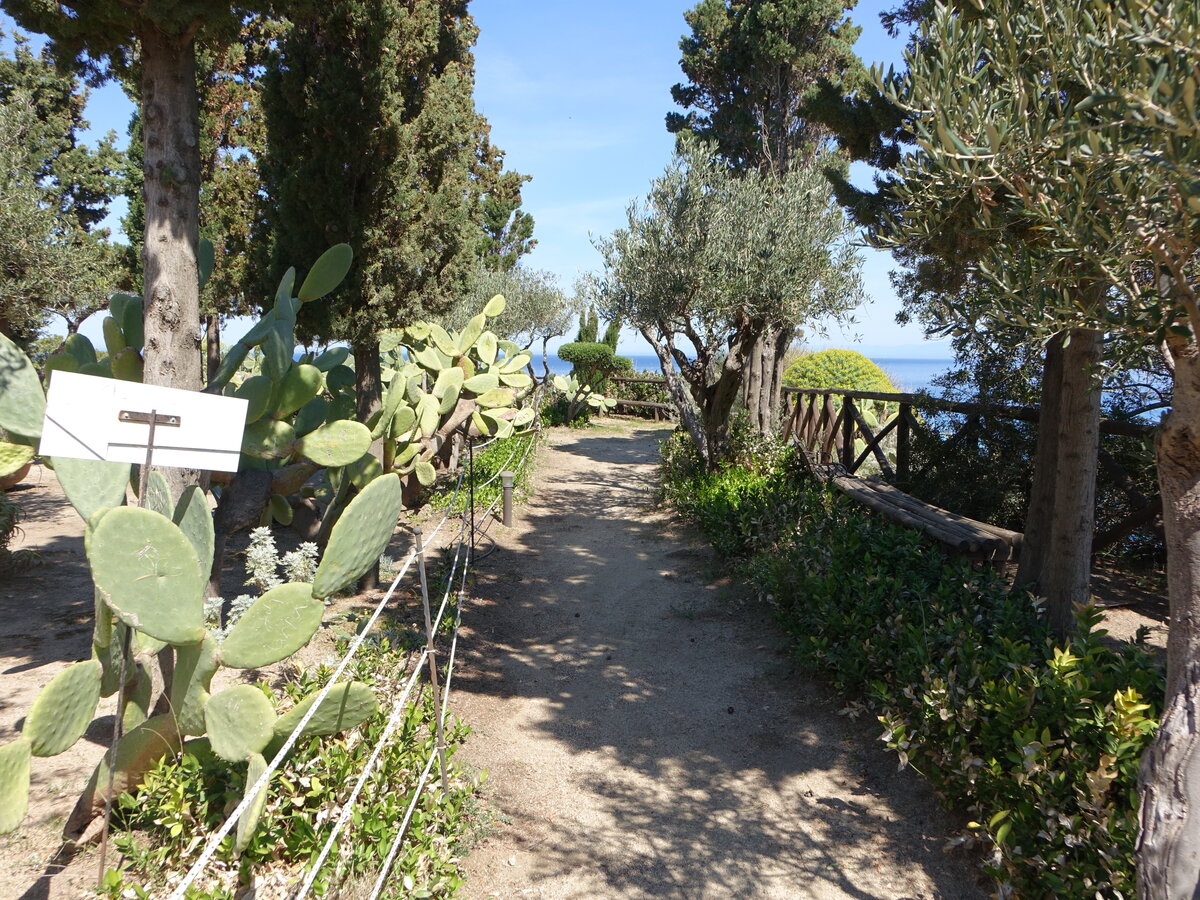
[[212, 346], [368, 378], [683, 403], [1169, 843], [1040, 510], [170, 121], [764, 378], [1067, 564]]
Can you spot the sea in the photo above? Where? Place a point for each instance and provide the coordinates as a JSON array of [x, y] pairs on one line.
[[908, 375]]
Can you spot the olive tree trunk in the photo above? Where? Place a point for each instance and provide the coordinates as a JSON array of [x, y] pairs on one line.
[[1039, 512], [170, 122], [1067, 566], [1056, 553], [1169, 843], [763, 378]]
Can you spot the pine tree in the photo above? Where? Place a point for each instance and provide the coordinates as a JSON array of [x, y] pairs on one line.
[[373, 140], [507, 229], [54, 191]]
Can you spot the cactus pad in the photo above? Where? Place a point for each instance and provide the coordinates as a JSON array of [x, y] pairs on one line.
[[137, 699], [332, 358], [494, 307], [256, 391], [327, 272], [22, 403], [158, 494], [268, 439], [275, 626], [482, 383], [240, 721], [364, 470], [148, 572], [194, 520], [127, 365], [347, 704], [312, 415], [404, 420], [360, 535], [114, 340], [496, 397], [13, 458], [14, 783], [249, 819], [63, 709], [195, 665], [425, 473], [487, 348], [91, 484], [301, 384], [336, 444], [340, 378], [137, 752]]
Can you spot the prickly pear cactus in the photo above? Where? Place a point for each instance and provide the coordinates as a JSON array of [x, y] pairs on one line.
[[151, 565]]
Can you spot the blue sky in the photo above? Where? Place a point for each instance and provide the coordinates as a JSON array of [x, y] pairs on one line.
[[577, 95]]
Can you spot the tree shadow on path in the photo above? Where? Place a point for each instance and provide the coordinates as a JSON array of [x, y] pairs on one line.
[[644, 729]]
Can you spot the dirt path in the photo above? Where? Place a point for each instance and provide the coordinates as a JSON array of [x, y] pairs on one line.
[[643, 728]]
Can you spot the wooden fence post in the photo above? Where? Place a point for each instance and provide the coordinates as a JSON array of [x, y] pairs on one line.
[[903, 448]]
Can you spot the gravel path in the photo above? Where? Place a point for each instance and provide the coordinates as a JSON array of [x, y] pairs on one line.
[[643, 729]]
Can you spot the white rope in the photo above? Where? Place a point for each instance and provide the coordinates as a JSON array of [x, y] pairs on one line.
[[504, 467], [215, 839], [387, 863], [398, 707], [219, 835]]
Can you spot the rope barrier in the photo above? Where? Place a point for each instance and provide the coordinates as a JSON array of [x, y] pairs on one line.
[[465, 557], [398, 707]]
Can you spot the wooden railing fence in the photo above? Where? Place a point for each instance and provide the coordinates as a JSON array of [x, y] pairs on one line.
[[831, 431]]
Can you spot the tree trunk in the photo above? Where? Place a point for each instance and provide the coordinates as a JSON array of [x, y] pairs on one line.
[[1067, 564], [763, 380], [1169, 843], [212, 347], [368, 391], [1040, 510], [679, 396], [719, 397], [170, 122]]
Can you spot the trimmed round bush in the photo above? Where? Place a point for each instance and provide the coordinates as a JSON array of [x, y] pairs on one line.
[[846, 370], [593, 362]]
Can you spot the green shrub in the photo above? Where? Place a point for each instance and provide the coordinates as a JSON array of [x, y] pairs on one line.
[[846, 370], [10, 516], [1039, 742], [189, 795]]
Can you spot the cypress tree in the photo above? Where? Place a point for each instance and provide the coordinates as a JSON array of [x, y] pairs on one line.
[[373, 139]]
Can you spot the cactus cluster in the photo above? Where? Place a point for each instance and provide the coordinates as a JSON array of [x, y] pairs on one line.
[[151, 565], [149, 571]]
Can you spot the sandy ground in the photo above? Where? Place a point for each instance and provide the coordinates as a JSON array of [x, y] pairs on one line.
[[642, 728]]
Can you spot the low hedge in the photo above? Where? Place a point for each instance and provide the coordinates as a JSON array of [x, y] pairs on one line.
[[1037, 740]]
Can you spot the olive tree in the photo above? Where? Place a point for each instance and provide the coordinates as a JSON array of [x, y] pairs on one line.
[[1067, 134], [711, 262]]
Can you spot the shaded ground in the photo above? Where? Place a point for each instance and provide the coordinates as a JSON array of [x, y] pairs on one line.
[[643, 729]]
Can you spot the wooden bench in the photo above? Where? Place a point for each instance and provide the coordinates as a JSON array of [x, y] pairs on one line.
[[978, 540]]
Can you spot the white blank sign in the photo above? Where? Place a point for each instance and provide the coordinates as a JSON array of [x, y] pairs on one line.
[[83, 421]]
